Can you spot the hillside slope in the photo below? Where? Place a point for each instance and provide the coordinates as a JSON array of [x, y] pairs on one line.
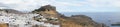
[[73, 21]]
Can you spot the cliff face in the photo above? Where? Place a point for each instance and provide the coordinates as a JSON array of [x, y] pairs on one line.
[[73, 21]]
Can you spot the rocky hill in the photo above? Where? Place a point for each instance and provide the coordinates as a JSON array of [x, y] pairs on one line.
[[73, 21], [45, 16]]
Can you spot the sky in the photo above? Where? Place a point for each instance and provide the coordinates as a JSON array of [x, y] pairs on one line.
[[64, 5]]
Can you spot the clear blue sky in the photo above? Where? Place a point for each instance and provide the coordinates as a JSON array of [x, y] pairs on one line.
[[64, 5]]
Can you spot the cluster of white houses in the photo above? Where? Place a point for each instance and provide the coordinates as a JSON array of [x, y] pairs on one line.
[[22, 20]]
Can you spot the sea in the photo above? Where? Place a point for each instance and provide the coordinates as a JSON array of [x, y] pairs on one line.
[[107, 18]]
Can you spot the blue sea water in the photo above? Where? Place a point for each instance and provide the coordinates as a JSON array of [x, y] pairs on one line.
[[102, 17]]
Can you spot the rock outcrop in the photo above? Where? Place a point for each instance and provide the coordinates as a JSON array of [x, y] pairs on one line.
[[73, 21], [48, 10]]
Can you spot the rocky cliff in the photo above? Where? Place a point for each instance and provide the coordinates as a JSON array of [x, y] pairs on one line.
[[73, 21]]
